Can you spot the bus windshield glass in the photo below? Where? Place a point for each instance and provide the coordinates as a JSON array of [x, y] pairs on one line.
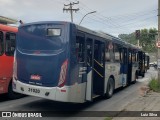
[[43, 37]]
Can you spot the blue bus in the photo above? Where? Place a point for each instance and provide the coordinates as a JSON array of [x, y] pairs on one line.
[[65, 62]]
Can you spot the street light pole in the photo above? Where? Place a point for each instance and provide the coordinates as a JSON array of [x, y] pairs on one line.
[[86, 15]]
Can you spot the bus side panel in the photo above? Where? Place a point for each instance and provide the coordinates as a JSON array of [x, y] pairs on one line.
[[123, 74], [134, 69], [6, 70], [89, 86], [113, 69], [78, 91]]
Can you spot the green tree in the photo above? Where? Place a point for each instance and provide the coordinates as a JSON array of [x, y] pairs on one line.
[[146, 40]]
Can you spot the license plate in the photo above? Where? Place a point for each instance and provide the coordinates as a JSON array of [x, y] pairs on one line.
[[33, 90], [35, 77]]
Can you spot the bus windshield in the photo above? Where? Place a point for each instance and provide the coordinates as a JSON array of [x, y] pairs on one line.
[[43, 37]]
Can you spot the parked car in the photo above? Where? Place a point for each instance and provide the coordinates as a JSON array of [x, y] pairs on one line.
[[151, 64]]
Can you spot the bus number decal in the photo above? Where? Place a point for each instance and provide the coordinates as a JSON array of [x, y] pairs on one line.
[[33, 90]]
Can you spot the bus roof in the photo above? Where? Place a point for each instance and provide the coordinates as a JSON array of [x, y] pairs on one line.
[[5, 20], [106, 36], [100, 34], [8, 28]]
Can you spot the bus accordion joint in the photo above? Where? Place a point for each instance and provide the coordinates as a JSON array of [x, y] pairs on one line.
[[63, 73]]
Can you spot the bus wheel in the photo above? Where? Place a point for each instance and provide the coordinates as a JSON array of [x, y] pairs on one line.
[[110, 88], [11, 94]]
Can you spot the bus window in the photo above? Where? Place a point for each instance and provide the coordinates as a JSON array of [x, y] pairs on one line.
[[121, 51], [125, 56], [10, 44], [89, 51], [117, 53], [133, 57], [137, 57], [130, 57], [1, 43], [109, 54], [80, 47]]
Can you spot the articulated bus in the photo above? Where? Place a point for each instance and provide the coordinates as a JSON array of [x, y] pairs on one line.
[[65, 62], [7, 47]]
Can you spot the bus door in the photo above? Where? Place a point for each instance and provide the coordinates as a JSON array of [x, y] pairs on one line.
[[146, 62], [7, 47], [147, 59], [10, 44], [1, 53], [89, 59], [80, 50], [99, 68], [134, 65], [141, 60], [129, 70], [143, 64], [124, 67]]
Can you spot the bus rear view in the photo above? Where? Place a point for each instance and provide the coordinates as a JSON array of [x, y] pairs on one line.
[[65, 62], [41, 60]]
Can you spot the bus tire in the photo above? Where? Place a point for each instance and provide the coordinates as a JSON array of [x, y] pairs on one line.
[[11, 94], [110, 88]]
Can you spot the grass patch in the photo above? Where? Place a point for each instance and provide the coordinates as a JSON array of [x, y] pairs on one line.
[[154, 85], [108, 118]]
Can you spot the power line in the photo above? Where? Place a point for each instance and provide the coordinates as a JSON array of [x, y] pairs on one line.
[[135, 22], [131, 14], [116, 24], [128, 19], [70, 9], [104, 24]]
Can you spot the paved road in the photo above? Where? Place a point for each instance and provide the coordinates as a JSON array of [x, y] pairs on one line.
[[120, 99]]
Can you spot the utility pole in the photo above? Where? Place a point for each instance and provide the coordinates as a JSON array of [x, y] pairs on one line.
[[138, 43], [138, 34], [71, 9], [158, 62]]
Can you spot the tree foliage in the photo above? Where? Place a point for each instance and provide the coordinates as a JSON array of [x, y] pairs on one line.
[[147, 39]]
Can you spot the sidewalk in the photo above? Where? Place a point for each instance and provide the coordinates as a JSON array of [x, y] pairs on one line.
[[151, 102], [148, 102]]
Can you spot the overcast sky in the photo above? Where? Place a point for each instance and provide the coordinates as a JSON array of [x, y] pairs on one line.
[[112, 16]]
